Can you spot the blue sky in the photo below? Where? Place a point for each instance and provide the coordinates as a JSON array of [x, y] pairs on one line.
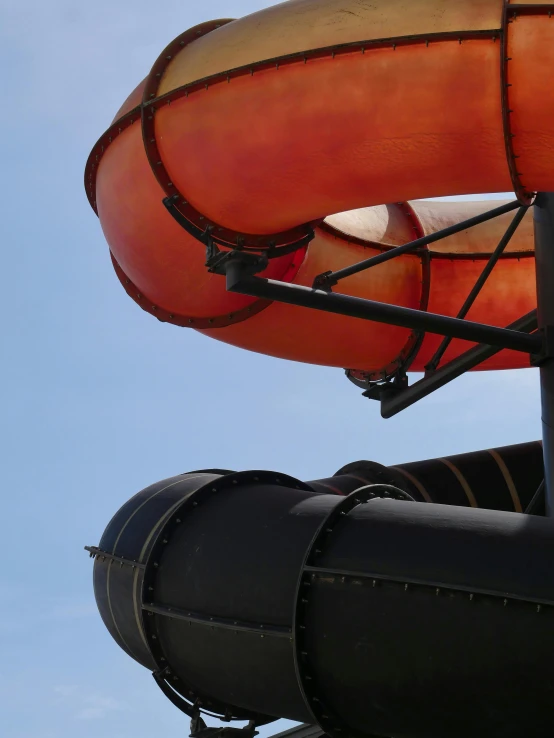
[[99, 399]]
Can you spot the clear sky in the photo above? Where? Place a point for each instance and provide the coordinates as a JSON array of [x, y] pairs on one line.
[[100, 400]]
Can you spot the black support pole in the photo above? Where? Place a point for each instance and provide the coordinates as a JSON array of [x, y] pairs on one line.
[[544, 253]]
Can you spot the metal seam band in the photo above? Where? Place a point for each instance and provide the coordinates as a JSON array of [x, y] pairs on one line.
[[99, 149], [184, 321], [438, 586], [197, 224], [411, 348], [139, 565], [415, 341], [149, 104], [417, 484], [262, 629], [450, 256], [322, 713], [187, 506], [96, 552], [276, 63], [531, 9], [462, 481], [523, 195], [507, 478]]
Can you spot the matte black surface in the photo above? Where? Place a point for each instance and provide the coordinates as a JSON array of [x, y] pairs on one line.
[[274, 515], [130, 535], [498, 479], [417, 620], [391, 661]]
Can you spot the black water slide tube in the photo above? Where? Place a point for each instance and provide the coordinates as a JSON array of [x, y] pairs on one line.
[[378, 602]]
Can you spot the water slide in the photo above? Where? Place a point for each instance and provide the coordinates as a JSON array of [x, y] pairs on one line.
[[412, 601], [382, 601], [259, 131]]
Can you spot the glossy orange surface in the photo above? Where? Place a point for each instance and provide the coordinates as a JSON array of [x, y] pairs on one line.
[[362, 104], [398, 140]]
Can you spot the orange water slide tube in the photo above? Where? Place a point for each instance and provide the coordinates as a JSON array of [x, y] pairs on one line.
[[264, 128]]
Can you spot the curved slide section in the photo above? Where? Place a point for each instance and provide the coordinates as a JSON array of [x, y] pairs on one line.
[[263, 127], [256, 596]]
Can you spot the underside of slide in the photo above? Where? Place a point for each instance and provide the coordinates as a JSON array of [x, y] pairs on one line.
[[298, 123], [377, 602]]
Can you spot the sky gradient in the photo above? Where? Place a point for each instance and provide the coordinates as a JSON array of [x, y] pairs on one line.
[[99, 399]]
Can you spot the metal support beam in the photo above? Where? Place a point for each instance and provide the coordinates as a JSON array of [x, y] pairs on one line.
[[544, 259], [394, 401], [238, 280], [327, 279]]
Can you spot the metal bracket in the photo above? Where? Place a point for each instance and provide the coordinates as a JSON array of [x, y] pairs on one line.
[[271, 250], [547, 351], [95, 552], [170, 203], [199, 729], [398, 399], [379, 390], [241, 267], [325, 281], [249, 264]]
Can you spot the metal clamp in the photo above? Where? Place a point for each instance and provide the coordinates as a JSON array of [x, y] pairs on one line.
[[547, 351], [250, 264], [380, 390], [199, 729], [96, 552]]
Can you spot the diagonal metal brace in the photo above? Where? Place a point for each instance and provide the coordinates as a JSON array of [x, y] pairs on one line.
[[479, 284], [328, 279], [394, 399]]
